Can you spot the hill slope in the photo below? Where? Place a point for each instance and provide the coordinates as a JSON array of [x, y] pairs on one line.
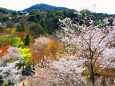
[[43, 7], [5, 11]]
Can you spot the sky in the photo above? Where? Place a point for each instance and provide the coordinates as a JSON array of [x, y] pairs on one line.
[[103, 6]]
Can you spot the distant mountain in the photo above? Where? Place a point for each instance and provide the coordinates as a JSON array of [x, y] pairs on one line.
[[43, 7], [5, 11]]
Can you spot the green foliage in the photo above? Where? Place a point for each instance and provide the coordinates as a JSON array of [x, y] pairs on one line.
[[97, 22], [25, 52], [48, 21], [36, 29], [1, 81], [27, 40], [52, 25], [14, 13], [110, 22], [51, 22], [69, 13], [86, 14], [8, 83], [10, 30], [34, 18], [4, 18], [12, 40], [100, 16], [43, 24], [5, 11], [20, 28], [28, 67], [60, 14]]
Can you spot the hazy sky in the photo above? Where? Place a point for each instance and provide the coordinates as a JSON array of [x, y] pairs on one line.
[[105, 6]]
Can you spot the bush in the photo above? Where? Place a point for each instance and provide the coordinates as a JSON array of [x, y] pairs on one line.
[[36, 29], [4, 18]]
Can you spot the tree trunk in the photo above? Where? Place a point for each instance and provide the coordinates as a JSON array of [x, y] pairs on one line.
[[92, 78]]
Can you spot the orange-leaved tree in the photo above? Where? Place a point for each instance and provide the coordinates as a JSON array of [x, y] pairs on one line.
[[3, 49], [45, 48], [54, 50]]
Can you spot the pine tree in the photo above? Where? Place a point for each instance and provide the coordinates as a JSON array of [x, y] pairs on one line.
[[27, 40]]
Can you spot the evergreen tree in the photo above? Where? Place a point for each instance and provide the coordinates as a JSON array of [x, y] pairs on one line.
[[27, 40]]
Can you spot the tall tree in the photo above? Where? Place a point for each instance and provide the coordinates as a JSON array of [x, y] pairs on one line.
[[89, 44]]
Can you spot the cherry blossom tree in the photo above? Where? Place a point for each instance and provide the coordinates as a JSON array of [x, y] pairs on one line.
[[60, 73], [87, 42], [9, 70]]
